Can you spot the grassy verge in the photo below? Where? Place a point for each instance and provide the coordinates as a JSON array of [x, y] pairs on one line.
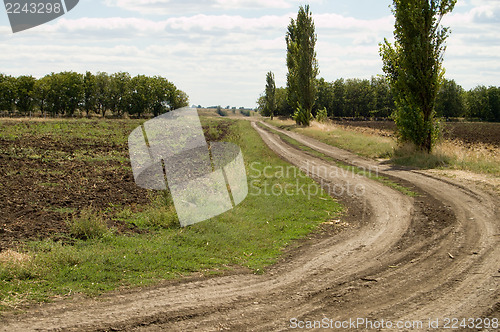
[[446, 155], [449, 155], [252, 235], [356, 170], [362, 144]]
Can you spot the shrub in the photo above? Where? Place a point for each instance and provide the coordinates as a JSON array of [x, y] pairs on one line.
[[88, 225], [221, 112], [160, 214], [322, 115], [302, 116], [245, 112]]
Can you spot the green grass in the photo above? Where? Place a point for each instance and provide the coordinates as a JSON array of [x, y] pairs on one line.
[[96, 130], [356, 170], [362, 144], [104, 132], [87, 225], [252, 235]]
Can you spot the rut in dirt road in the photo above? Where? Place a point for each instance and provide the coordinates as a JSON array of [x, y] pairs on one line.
[[393, 263]]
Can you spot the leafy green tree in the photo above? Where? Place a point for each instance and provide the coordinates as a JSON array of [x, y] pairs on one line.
[[282, 106], [103, 91], [325, 99], [383, 99], [494, 104], [24, 90], [7, 93], [140, 97], [119, 89], [41, 93], [270, 96], [358, 97], [413, 66], [450, 101], [302, 65], [478, 104], [339, 98], [65, 93], [177, 98], [261, 103], [89, 93], [160, 91], [54, 99], [72, 91]]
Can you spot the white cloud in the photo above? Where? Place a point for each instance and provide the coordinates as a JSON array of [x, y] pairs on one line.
[[172, 7], [253, 4], [336, 21]]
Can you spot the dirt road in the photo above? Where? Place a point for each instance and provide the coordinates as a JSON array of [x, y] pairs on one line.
[[405, 259]]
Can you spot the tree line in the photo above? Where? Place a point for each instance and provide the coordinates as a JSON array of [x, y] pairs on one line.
[[373, 99], [71, 94]]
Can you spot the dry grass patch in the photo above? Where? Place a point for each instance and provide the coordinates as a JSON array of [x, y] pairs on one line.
[[12, 257], [481, 158]]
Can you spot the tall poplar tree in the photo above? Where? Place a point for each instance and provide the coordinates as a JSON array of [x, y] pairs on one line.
[[413, 66], [302, 65], [270, 97]]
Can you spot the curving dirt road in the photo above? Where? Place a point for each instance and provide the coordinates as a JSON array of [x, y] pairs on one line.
[[405, 259]]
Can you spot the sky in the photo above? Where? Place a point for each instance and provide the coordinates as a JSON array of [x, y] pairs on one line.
[[219, 51]]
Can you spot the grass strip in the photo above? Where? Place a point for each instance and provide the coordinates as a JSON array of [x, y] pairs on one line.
[[356, 170], [359, 143]]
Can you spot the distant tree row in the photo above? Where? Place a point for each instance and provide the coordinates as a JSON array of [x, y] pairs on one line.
[[362, 98], [480, 103], [342, 98], [70, 93]]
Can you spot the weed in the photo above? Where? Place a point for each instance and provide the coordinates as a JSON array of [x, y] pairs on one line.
[[221, 112], [159, 215], [410, 155], [322, 115], [246, 113], [88, 225]]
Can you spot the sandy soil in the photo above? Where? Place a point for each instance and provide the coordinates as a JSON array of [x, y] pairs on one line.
[[435, 256]]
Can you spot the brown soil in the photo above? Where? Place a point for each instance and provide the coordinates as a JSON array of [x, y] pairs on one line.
[[38, 195], [44, 185], [398, 259]]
